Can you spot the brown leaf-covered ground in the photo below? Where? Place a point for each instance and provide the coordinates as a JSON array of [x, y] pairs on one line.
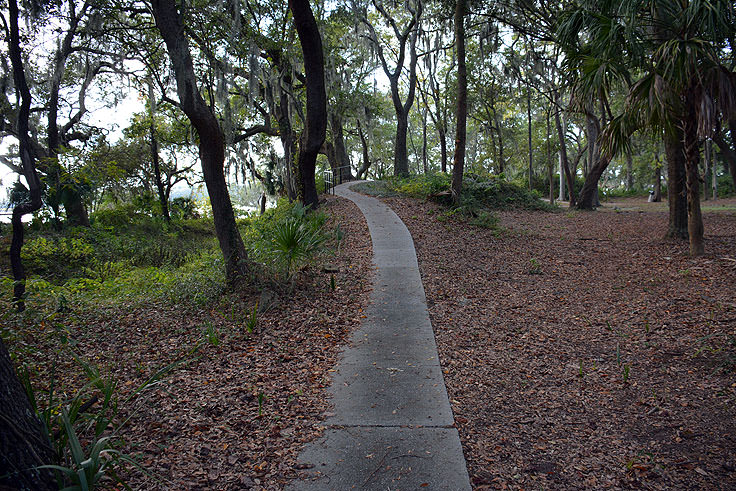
[[236, 415], [583, 350]]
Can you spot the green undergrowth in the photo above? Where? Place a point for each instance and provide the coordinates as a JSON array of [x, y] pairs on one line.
[[79, 278], [481, 196], [136, 259]]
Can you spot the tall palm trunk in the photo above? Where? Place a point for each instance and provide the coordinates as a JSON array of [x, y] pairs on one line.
[[692, 159], [676, 192]]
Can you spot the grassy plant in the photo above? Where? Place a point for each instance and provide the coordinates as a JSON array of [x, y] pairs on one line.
[[535, 267], [626, 371], [261, 400], [90, 416], [294, 244], [252, 322], [210, 334]]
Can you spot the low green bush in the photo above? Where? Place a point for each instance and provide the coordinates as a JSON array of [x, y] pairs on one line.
[[56, 258], [286, 237]]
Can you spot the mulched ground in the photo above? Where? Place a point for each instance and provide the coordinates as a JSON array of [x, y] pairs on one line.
[[583, 350], [237, 414]]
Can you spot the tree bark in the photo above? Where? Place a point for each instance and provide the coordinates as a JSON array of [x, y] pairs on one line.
[[462, 103], [409, 34], [363, 171], [338, 144], [425, 165], [692, 158], [564, 163], [211, 138], [587, 198], [76, 212], [629, 171], [657, 178], [443, 149], [162, 194], [529, 133], [676, 192], [24, 444], [316, 121], [728, 153]]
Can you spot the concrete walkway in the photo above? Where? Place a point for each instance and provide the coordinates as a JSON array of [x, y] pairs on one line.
[[392, 427]]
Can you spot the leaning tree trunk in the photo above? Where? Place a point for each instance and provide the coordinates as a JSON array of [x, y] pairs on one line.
[[462, 103], [24, 444], [587, 197], [316, 121], [676, 192], [363, 171], [211, 138], [692, 158]]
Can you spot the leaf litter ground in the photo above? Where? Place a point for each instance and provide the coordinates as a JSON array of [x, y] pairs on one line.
[[580, 350], [583, 350], [237, 412]]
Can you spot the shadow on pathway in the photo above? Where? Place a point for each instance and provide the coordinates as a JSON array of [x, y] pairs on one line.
[[392, 427]]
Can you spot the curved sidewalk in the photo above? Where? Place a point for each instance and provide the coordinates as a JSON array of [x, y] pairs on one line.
[[392, 426]]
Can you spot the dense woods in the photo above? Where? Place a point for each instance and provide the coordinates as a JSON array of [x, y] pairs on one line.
[[170, 155]]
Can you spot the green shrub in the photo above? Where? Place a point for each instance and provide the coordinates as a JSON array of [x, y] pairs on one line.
[[319, 181], [725, 186], [120, 216], [286, 237], [183, 209], [421, 186], [56, 259]]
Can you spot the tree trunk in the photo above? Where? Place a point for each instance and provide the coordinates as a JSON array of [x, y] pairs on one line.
[[713, 168], [425, 165], [162, 195], [587, 198], [692, 157], [563, 153], [401, 154], [316, 121], [676, 192], [499, 132], [76, 212], [550, 165], [462, 103], [338, 143], [629, 171], [443, 149], [24, 444], [211, 138], [657, 197], [562, 177], [363, 171], [529, 134], [728, 153]]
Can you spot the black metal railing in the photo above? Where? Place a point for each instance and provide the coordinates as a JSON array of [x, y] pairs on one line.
[[335, 177]]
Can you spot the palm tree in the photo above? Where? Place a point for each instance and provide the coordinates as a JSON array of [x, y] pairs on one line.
[[683, 88]]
